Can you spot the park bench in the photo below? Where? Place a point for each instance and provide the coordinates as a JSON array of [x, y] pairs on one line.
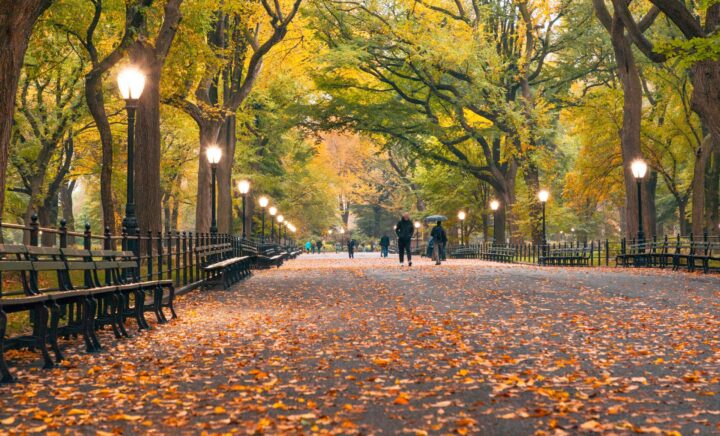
[[270, 256], [499, 254], [221, 265], [49, 290], [567, 256], [691, 253], [294, 253], [464, 253]]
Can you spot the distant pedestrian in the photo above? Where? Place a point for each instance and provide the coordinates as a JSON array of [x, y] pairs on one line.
[[319, 246], [384, 246], [351, 248], [404, 231], [308, 247], [440, 238]]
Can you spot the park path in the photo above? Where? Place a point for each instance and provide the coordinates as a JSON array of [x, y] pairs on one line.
[[328, 344]]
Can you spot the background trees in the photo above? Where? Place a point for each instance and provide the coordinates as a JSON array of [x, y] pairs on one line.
[[347, 112]]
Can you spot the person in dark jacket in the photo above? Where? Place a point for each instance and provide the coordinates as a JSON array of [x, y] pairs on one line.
[[351, 248], [384, 246], [404, 231], [319, 246], [439, 237]]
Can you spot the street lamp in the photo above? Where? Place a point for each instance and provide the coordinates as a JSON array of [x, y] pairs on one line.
[[417, 235], [131, 82], [461, 217], [495, 205], [342, 232], [244, 188], [214, 153], [639, 169], [280, 220], [273, 211], [263, 201], [543, 196]]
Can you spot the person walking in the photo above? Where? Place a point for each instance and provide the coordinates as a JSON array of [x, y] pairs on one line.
[[351, 248], [384, 246], [308, 246], [404, 231], [440, 239], [319, 246]]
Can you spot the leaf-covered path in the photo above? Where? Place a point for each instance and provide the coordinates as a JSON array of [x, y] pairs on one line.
[[326, 344]]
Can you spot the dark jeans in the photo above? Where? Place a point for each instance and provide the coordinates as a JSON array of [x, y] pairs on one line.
[[351, 253], [404, 247], [384, 251]]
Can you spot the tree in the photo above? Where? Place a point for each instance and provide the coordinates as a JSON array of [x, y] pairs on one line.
[[17, 20], [697, 49], [628, 73], [150, 57], [240, 44]]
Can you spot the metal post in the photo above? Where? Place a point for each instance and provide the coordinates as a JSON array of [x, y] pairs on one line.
[[213, 221], [244, 200], [544, 231], [640, 233], [130, 221], [262, 238], [272, 229]]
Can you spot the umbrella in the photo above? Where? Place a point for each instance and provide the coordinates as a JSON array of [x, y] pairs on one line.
[[435, 218]]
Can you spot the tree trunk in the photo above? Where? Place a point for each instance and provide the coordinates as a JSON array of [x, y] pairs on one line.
[[96, 105], [532, 180], [208, 135], [227, 141], [48, 217], [66, 203], [147, 142], [16, 23], [705, 101], [702, 159], [712, 192], [632, 112], [649, 209]]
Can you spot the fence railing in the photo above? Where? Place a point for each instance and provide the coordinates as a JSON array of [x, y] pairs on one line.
[[598, 252], [175, 256]]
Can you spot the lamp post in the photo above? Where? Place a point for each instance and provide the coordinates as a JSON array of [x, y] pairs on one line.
[[214, 153], [495, 205], [244, 188], [417, 235], [280, 220], [131, 82], [342, 233], [273, 212], [461, 216], [572, 231], [543, 196], [639, 169], [263, 201]]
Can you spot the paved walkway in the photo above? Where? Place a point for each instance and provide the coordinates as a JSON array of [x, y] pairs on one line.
[[327, 344]]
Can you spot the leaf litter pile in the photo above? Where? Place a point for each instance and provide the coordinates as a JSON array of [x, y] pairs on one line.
[[330, 345]]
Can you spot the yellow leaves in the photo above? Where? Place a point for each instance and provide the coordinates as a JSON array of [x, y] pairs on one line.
[[280, 405], [381, 361], [462, 373], [8, 421], [218, 410], [124, 417], [74, 412], [402, 399]]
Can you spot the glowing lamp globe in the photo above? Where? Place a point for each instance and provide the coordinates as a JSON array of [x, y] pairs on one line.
[[494, 205], [280, 218], [461, 216], [639, 168], [543, 196], [244, 186], [213, 153], [131, 82], [272, 210], [263, 202]]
